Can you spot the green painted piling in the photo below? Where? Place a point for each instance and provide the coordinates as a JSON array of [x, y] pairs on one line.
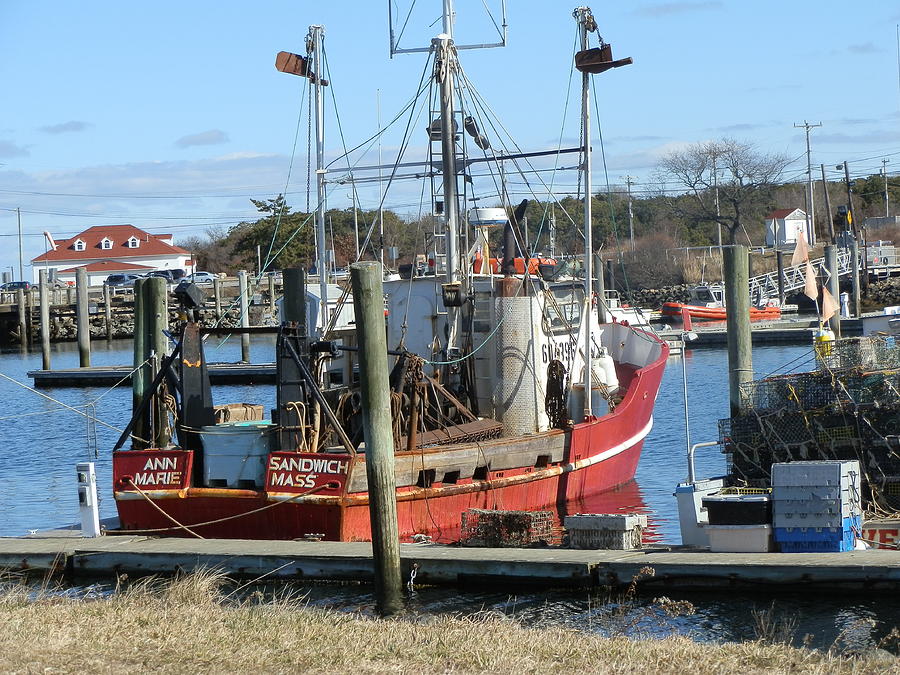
[[82, 321], [737, 301], [368, 303], [44, 290]]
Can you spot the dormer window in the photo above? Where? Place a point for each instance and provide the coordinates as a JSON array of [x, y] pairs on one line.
[[106, 243], [79, 245], [133, 242]]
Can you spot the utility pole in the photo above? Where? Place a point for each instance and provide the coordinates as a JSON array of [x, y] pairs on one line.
[[628, 181], [884, 178], [810, 205], [716, 192], [827, 205], [21, 268]]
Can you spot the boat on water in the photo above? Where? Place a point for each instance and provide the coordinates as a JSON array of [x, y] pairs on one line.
[[707, 303], [507, 391]]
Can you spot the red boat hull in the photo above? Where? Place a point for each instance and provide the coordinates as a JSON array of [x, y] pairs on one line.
[[600, 455], [698, 312]]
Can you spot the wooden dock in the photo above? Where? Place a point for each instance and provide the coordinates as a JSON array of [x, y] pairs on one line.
[[873, 571], [715, 334], [106, 376]]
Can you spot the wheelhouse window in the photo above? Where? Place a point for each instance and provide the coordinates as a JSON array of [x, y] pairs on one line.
[[564, 307]]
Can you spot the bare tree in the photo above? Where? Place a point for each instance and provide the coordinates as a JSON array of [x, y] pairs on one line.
[[737, 175]]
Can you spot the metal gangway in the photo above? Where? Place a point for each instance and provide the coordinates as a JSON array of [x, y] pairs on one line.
[[766, 285]]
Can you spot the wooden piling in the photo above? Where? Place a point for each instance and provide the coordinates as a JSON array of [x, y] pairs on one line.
[[151, 318], [854, 275], [82, 322], [831, 264], [368, 303], [217, 291], [272, 294], [29, 315], [23, 324], [779, 264], [737, 302], [44, 291], [244, 290], [107, 311]]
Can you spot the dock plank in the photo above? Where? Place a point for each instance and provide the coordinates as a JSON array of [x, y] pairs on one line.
[[873, 571]]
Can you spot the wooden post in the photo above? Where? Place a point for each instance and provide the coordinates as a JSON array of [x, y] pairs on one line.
[[82, 322], [779, 264], [244, 290], [854, 275], [139, 379], [272, 295], [217, 291], [157, 311], [45, 320], [23, 325], [107, 310], [368, 303], [151, 318], [737, 302], [831, 264], [29, 314]]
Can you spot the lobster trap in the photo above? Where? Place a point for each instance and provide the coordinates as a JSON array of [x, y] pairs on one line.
[[508, 529]]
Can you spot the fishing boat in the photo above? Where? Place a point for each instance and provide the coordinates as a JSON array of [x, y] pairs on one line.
[[507, 391], [707, 303]]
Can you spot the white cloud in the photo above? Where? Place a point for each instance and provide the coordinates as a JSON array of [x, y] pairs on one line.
[[65, 127], [211, 137]]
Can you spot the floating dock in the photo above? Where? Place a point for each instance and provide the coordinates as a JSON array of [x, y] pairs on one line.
[[872, 571], [107, 376]]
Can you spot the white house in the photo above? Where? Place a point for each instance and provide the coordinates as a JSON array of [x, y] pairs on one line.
[[109, 249], [783, 226]]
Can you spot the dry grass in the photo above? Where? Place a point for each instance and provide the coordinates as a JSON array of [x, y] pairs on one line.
[[188, 625]]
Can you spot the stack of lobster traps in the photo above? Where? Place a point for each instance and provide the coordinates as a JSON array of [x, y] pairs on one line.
[[846, 409]]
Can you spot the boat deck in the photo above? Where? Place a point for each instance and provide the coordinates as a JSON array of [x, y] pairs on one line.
[[65, 552]]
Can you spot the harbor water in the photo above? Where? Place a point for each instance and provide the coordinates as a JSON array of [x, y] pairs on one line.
[[44, 434]]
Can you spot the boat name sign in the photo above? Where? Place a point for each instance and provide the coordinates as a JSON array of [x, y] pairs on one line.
[[152, 469], [299, 472]]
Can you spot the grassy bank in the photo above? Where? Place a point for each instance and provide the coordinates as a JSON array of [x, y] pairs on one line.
[[191, 625]]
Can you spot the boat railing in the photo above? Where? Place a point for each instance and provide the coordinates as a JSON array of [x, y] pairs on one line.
[[690, 457]]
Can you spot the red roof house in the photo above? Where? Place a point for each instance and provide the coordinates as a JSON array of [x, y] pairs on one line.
[[107, 249]]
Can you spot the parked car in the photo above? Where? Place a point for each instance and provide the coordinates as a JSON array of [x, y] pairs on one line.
[[15, 285], [172, 276], [119, 280], [201, 277]]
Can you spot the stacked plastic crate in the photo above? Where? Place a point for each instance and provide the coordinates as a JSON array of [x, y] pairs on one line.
[[816, 506]]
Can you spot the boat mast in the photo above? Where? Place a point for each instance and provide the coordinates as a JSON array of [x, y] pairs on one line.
[[314, 48], [586, 23], [445, 75]]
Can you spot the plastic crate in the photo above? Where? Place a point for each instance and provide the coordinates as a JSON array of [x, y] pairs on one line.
[[848, 525], [810, 492], [845, 543], [235, 454], [610, 531], [738, 509], [813, 513], [740, 538], [844, 474]]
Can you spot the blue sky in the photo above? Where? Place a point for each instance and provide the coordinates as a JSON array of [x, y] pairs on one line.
[[171, 115]]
